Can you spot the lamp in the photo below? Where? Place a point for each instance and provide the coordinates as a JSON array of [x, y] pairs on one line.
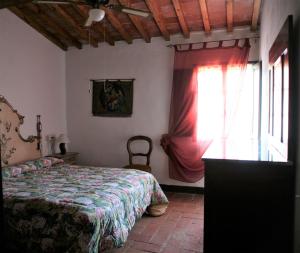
[[63, 139], [95, 15], [51, 139]]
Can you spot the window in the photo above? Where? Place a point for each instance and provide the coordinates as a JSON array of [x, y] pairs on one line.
[[279, 104], [228, 107]]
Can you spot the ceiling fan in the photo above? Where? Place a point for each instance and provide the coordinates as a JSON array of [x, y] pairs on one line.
[[96, 14]]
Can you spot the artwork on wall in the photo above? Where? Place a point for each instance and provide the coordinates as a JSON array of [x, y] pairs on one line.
[[112, 97]]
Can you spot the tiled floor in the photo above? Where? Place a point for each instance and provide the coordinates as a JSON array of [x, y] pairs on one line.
[[180, 230]]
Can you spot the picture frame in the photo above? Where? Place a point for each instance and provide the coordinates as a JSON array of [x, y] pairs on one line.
[[112, 97]]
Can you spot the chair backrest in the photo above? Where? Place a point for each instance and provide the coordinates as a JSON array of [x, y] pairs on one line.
[[138, 138]]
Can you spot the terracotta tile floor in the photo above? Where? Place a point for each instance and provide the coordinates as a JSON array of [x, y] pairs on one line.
[[180, 230]]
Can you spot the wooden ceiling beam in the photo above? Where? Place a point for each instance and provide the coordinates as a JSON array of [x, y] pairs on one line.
[[229, 15], [204, 14], [140, 27], [83, 11], [156, 12], [39, 11], [33, 23], [12, 3], [180, 15], [115, 22], [75, 25], [136, 21], [255, 14]]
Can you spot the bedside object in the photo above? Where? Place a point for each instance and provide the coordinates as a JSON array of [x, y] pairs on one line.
[[62, 148], [69, 157], [51, 139], [63, 139]]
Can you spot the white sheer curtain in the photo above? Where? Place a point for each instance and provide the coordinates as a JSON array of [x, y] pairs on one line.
[[227, 103]]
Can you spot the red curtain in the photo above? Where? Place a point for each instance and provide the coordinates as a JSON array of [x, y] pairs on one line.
[[181, 144]]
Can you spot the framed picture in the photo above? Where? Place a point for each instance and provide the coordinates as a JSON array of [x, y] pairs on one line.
[[112, 98]]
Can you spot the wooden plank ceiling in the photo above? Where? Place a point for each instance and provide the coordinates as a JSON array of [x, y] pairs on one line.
[[63, 24]]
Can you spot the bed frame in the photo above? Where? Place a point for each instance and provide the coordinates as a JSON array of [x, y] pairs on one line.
[[14, 148]]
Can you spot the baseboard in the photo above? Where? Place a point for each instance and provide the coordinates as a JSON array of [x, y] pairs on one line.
[[184, 189]]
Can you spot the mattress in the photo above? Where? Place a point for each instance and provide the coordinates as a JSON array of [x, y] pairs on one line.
[[63, 208]]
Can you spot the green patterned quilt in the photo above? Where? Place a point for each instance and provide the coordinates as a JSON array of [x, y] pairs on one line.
[[75, 209]]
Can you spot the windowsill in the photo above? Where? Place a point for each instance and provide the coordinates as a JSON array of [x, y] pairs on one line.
[[243, 150]]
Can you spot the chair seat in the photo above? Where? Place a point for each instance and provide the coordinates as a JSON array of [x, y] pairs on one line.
[[142, 167]]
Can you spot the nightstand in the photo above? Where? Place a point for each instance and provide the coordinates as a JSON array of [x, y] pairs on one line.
[[69, 157]]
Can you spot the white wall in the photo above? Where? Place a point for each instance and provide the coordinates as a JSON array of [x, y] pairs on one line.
[[274, 15], [32, 76], [102, 141]]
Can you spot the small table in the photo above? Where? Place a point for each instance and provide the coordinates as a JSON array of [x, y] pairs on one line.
[[69, 157]]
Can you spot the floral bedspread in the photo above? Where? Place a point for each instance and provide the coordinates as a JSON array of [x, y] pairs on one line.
[[75, 209]]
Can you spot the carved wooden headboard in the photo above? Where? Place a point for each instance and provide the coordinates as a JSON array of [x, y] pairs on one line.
[[14, 148]]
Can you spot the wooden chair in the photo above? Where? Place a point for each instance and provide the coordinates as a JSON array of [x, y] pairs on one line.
[[144, 167]]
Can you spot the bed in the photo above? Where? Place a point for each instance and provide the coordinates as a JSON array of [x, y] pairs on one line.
[[50, 206]]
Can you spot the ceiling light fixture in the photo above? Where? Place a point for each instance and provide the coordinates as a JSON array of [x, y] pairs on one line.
[[95, 15]]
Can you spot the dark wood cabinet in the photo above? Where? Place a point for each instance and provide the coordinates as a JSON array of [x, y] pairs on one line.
[[249, 201]]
